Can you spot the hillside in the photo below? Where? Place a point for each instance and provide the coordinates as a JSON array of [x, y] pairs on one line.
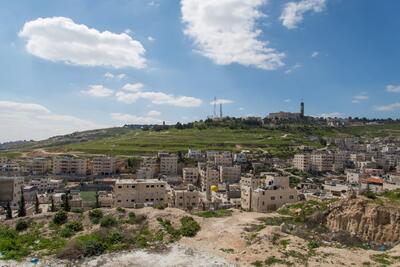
[[282, 141]]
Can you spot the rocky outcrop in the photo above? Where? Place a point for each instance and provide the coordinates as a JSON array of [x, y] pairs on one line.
[[368, 221]]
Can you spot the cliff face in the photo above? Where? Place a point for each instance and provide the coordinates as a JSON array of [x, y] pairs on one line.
[[370, 222]]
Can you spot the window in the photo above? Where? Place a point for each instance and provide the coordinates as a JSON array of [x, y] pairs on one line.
[[272, 198], [152, 186], [162, 185], [119, 186], [161, 199], [133, 186], [291, 197], [147, 186], [152, 199], [147, 200], [132, 200], [119, 200], [280, 197]]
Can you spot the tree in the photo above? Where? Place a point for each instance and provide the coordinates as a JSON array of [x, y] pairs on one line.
[[97, 204], [66, 205], [8, 211], [52, 206], [37, 205], [21, 205]]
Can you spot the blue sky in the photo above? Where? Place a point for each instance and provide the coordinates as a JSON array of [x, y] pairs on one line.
[[76, 65]]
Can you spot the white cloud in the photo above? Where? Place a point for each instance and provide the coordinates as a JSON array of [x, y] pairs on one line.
[[109, 75], [154, 113], [389, 107], [225, 31], [133, 119], [240, 108], [130, 93], [293, 13], [61, 39], [314, 54], [360, 98], [331, 115], [287, 100], [293, 68], [221, 101], [154, 4], [22, 121], [132, 87], [391, 88], [98, 91], [9, 106], [151, 39]]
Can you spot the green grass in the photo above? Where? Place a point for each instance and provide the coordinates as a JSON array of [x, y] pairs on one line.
[[214, 213], [89, 197]]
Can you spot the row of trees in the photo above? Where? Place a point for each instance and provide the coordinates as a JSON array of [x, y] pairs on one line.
[[22, 205]]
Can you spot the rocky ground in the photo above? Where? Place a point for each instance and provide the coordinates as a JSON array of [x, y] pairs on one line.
[[237, 240]]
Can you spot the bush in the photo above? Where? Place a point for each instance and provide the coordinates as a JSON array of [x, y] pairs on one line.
[[60, 217], [108, 221], [122, 210], [313, 244], [77, 210], [189, 226], [74, 226], [66, 232], [95, 216], [92, 247], [21, 226]]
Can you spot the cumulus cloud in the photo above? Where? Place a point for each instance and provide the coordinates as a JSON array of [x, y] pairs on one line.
[[314, 54], [98, 91], [293, 12], [154, 113], [225, 31], [287, 100], [22, 121], [110, 76], [389, 107], [151, 39], [293, 68], [221, 101], [391, 88], [133, 119], [61, 39], [331, 115], [130, 93], [132, 87], [360, 98], [8, 106]]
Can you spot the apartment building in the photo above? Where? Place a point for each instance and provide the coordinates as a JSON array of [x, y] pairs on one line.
[[69, 165], [168, 164], [136, 193], [321, 162], [223, 159], [229, 174], [186, 199], [194, 154], [190, 175], [46, 185], [209, 177], [10, 190], [252, 181], [269, 198], [302, 162], [103, 166], [39, 166]]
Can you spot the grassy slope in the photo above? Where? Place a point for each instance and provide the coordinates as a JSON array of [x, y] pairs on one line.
[[118, 141]]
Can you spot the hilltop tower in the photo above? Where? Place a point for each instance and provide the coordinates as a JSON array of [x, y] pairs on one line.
[[302, 109], [215, 107], [220, 110]]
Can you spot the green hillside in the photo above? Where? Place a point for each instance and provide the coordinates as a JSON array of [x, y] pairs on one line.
[[283, 141]]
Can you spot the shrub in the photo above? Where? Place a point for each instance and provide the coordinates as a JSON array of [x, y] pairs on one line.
[[60, 217], [95, 215], [92, 247], [77, 210], [21, 226], [74, 226], [122, 210], [189, 226], [108, 221], [313, 244], [66, 232]]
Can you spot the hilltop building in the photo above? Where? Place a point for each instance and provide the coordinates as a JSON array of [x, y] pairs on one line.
[[282, 115]]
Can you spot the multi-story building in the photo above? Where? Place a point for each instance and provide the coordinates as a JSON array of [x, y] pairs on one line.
[[168, 164], [69, 165], [209, 177], [136, 193], [39, 166], [46, 185], [190, 175], [10, 191], [186, 199], [321, 162], [229, 174], [252, 181], [302, 162], [269, 198], [223, 159], [103, 166], [194, 154]]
